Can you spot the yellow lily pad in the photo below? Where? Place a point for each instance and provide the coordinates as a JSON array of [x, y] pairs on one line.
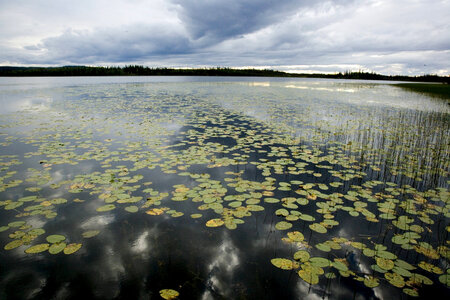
[[285, 264], [215, 223], [37, 248], [296, 236], [72, 248], [14, 244], [155, 212], [168, 294], [385, 264], [371, 282]]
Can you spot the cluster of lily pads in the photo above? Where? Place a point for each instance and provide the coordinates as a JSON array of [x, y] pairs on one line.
[[311, 172]]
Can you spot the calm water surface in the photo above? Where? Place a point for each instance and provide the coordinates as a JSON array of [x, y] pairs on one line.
[[222, 188]]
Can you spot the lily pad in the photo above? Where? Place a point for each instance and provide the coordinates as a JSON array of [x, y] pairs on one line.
[[72, 248], [411, 292], [16, 224], [215, 223], [37, 248], [282, 225], [445, 279], [302, 255], [318, 228], [385, 264], [55, 238], [90, 233], [155, 212], [106, 207], [168, 294], [371, 282], [323, 247], [308, 276], [14, 244], [296, 236], [56, 248], [131, 209], [320, 262], [285, 264]]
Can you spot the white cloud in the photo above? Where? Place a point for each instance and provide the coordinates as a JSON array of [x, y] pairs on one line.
[[408, 37]]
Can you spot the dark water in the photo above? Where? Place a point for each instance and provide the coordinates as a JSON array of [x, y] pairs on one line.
[[358, 170]]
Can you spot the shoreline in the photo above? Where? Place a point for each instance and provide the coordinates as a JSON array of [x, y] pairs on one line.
[[67, 71]]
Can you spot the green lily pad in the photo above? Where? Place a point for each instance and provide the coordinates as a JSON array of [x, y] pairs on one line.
[[419, 278], [55, 238], [445, 279], [405, 265], [369, 252], [302, 255], [318, 228], [57, 248], [282, 225], [90, 233], [282, 212], [106, 207], [271, 200], [385, 264], [386, 254], [400, 239], [16, 224], [401, 271], [323, 247], [378, 269], [307, 218], [411, 292], [395, 279], [320, 262], [36, 231], [339, 265], [308, 276], [13, 205], [131, 209], [371, 282]]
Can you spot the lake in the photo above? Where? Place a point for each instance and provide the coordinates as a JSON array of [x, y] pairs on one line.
[[222, 188]]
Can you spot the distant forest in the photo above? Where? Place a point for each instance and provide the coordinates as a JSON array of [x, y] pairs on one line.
[[219, 71]]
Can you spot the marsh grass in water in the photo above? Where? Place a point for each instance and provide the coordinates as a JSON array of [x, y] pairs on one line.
[[434, 89]]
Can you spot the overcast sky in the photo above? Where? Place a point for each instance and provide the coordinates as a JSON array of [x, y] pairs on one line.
[[385, 36]]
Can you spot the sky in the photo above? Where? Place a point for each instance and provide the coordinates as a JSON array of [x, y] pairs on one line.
[[410, 37]]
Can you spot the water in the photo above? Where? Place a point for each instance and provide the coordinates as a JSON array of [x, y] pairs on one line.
[[199, 184]]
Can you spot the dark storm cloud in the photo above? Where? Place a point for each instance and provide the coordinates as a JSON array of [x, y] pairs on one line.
[[220, 20], [129, 43]]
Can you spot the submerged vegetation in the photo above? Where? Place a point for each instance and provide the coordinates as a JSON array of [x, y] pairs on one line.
[[330, 191], [440, 90], [219, 71]]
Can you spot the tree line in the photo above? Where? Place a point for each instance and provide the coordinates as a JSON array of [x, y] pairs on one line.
[[136, 70]]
